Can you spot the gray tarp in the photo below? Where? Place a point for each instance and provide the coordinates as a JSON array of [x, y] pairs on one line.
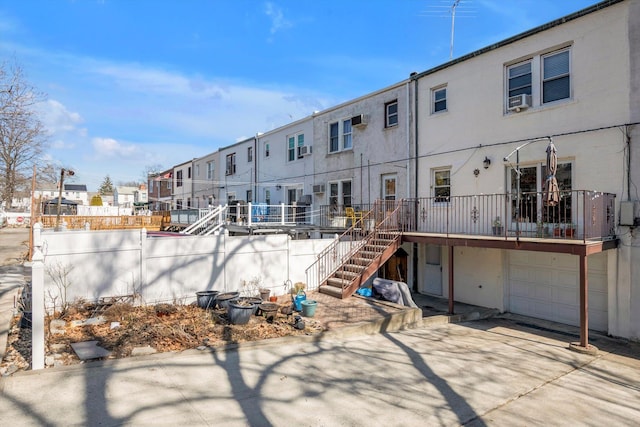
[[397, 292]]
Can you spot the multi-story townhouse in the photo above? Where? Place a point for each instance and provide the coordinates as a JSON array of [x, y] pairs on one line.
[[284, 167], [206, 180], [362, 151], [237, 172], [485, 123], [160, 187], [182, 193]]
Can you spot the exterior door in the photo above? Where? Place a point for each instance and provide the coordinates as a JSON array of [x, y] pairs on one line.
[[432, 283]]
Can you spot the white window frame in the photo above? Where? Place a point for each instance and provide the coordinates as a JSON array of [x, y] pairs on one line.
[[385, 194], [266, 149], [294, 142], [344, 135], [341, 198], [435, 193], [391, 116], [536, 91], [434, 101], [249, 154], [211, 166]]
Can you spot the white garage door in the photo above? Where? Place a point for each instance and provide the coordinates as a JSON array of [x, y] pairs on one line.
[[546, 286]]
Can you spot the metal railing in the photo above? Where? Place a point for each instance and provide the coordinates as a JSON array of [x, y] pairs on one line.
[[579, 214], [248, 214], [382, 221]]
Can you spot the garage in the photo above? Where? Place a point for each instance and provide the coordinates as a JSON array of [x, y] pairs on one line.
[[546, 286]]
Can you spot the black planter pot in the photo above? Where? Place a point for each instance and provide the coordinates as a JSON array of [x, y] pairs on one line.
[[239, 314], [207, 299], [223, 299]]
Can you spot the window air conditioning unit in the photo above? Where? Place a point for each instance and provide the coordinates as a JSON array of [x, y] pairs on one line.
[[304, 150], [318, 188], [519, 102], [358, 120]]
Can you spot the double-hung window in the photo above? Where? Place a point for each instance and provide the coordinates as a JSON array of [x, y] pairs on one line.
[[391, 114], [231, 164], [294, 142], [556, 81], [340, 136], [179, 178], [210, 169], [441, 185], [439, 96], [538, 80], [249, 154]]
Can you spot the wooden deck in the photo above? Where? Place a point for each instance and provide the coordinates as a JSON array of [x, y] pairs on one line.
[[123, 222]]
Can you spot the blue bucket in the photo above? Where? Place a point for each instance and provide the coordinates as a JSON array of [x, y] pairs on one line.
[[297, 301]]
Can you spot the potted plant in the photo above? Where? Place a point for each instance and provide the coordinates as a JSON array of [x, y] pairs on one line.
[[497, 227], [570, 230], [240, 311]]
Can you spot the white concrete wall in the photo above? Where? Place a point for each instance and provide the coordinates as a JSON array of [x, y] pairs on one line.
[[109, 263]]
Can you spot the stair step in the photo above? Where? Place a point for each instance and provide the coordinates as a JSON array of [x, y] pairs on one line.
[[330, 290], [338, 283], [345, 274]]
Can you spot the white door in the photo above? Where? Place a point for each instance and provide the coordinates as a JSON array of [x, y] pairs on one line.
[[546, 286], [433, 270]]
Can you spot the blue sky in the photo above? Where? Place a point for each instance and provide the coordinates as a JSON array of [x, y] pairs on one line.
[[135, 83]]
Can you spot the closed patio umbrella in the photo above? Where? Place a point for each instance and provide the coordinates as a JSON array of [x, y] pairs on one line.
[[551, 193]]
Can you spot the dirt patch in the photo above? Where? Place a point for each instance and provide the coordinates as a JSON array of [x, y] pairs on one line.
[[165, 328]]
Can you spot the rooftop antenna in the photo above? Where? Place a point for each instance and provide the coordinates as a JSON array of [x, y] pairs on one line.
[[453, 22], [458, 7]]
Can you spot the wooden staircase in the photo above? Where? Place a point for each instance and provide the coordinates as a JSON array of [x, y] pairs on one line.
[[358, 268], [359, 252]]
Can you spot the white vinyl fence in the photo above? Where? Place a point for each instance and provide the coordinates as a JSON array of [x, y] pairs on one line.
[[96, 264]]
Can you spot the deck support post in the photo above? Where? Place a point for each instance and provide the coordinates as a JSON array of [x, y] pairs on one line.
[[450, 279]]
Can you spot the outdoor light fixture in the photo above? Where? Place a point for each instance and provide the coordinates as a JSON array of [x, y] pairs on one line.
[[476, 172], [486, 162]]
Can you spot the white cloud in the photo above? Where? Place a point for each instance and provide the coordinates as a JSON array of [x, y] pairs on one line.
[[58, 120], [110, 148], [278, 21]]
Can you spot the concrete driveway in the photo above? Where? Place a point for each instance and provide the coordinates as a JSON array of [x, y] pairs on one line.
[[489, 372]]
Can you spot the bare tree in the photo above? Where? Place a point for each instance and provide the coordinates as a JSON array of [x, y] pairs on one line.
[[22, 135]]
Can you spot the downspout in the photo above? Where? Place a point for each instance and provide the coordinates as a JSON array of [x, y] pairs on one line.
[[415, 213]]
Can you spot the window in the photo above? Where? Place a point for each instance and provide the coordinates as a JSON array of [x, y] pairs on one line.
[[168, 184], [556, 83], [389, 187], [198, 170], [442, 185], [545, 78], [231, 164], [520, 79], [210, 169], [189, 172], [249, 196], [391, 114], [532, 180], [249, 154], [266, 149], [339, 195], [179, 178], [293, 147], [340, 136], [439, 96]]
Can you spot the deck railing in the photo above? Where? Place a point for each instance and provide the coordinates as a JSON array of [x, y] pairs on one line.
[[579, 214]]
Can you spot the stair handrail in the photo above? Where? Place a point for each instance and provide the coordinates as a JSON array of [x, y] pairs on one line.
[[200, 224], [379, 210]]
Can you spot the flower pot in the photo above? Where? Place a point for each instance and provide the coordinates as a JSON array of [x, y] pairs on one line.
[[569, 232], [25, 320], [557, 232], [239, 314], [269, 310], [254, 301], [273, 298], [309, 308], [497, 230], [264, 294], [207, 299], [224, 298]]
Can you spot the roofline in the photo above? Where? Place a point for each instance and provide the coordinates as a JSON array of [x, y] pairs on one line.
[[579, 14]]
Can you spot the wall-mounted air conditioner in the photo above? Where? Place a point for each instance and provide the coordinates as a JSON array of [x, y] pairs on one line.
[[304, 150], [519, 102], [318, 188], [358, 120]]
